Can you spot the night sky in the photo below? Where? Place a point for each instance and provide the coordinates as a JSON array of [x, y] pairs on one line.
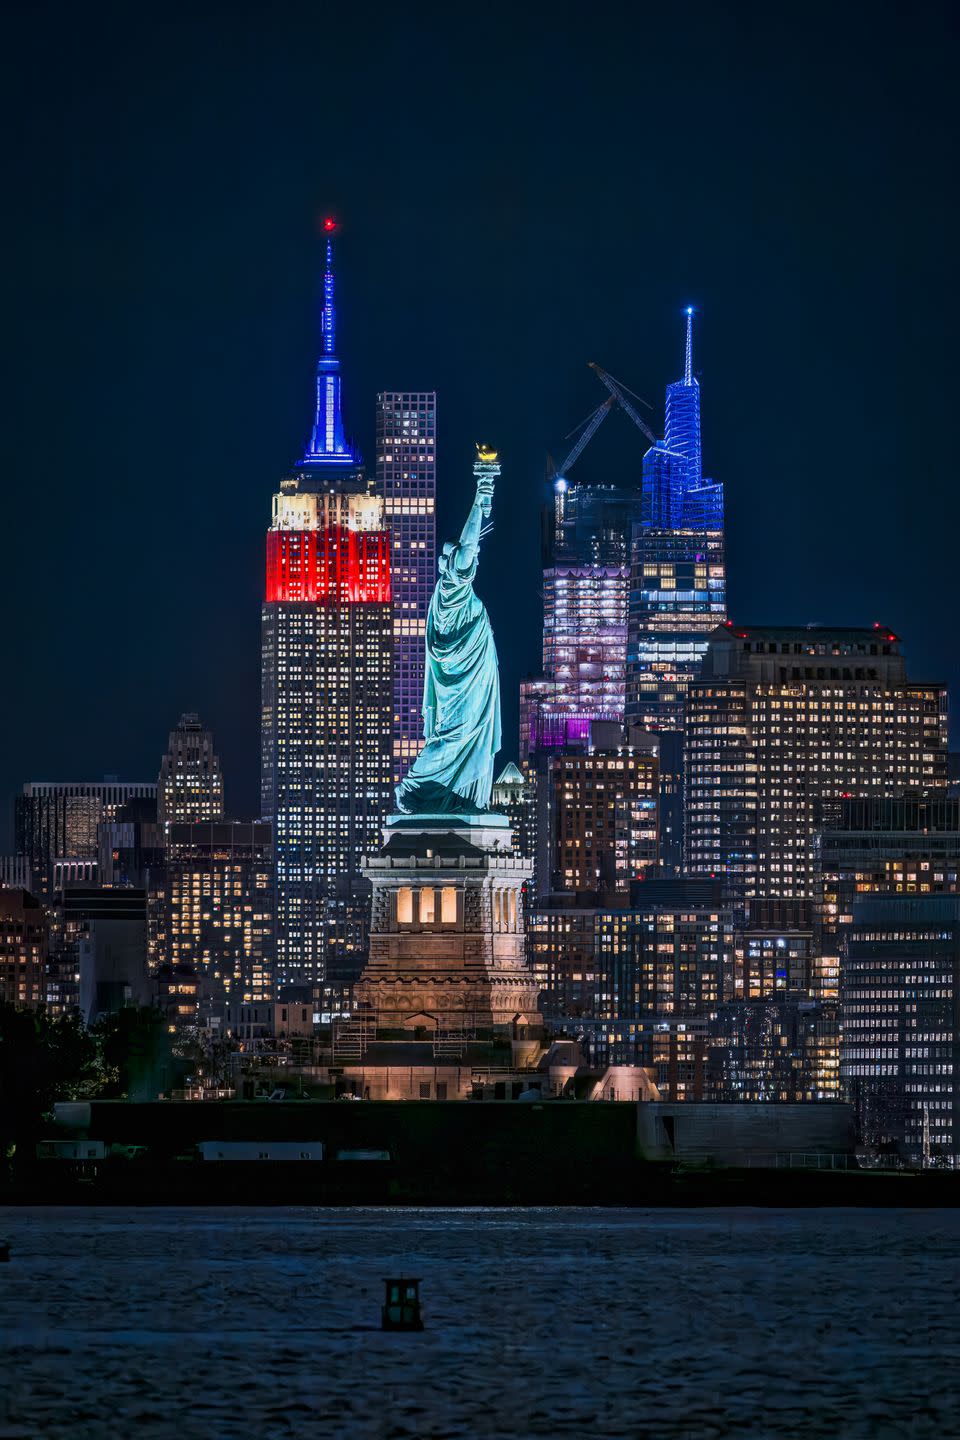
[[522, 190]]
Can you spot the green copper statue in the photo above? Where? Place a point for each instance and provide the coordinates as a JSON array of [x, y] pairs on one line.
[[453, 774]]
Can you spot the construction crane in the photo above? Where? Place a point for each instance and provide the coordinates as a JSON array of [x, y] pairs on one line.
[[587, 429], [557, 475], [617, 395]]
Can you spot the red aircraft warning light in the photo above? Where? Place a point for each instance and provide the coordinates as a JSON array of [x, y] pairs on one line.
[[329, 224]]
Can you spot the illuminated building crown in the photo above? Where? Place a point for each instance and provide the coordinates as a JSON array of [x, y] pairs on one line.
[[328, 445]]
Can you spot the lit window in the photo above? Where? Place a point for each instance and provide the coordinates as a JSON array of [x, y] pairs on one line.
[[405, 905]]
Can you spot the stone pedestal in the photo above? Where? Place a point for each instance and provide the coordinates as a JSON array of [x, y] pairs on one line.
[[446, 935]]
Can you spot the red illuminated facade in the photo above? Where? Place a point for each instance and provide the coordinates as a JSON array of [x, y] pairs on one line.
[[326, 652], [335, 565]]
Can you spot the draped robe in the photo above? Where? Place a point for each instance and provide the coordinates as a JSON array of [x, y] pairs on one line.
[[461, 702]]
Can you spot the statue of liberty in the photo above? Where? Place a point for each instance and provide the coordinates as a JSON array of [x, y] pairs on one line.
[[453, 774]]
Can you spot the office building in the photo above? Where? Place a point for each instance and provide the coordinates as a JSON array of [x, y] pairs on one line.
[[407, 480], [677, 590], [326, 696], [59, 822], [219, 908], [23, 947], [562, 953], [782, 1050], [877, 846], [586, 581], [177, 992], [782, 720], [677, 600], [131, 846], [686, 959], [774, 962], [190, 786], [15, 873], [900, 1044], [596, 814], [327, 691], [667, 951], [106, 932]]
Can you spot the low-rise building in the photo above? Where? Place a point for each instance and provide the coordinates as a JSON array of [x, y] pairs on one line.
[[270, 1019]]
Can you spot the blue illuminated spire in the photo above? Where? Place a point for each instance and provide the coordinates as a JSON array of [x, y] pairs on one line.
[[688, 353], [328, 445], [683, 414]]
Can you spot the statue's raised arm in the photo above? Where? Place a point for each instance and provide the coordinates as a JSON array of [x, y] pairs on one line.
[[453, 774]]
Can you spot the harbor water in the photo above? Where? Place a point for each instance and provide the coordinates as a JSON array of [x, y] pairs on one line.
[[182, 1323]]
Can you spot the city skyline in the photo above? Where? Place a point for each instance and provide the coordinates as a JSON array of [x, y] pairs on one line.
[[183, 354], [479, 643], [331, 450]]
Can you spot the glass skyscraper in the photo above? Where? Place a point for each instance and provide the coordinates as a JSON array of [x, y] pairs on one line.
[[586, 581], [407, 480], [677, 590]]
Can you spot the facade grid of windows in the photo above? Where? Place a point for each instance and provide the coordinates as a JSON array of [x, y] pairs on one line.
[[407, 481]]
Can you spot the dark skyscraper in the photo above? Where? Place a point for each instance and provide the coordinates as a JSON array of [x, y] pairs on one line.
[[596, 808], [327, 689], [900, 1031], [407, 480], [56, 823]]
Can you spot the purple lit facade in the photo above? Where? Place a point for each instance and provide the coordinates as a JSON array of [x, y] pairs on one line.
[[586, 590]]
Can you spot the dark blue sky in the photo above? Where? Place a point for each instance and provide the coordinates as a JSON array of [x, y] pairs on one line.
[[522, 189]]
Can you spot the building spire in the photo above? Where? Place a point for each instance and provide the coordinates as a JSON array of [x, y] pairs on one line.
[[682, 419], [688, 353], [328, 444], [329, 321]]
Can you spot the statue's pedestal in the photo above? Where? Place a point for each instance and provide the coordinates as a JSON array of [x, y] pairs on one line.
[[446, 936]]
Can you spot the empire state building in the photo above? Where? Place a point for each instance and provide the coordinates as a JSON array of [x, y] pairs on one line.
[[326, 671]]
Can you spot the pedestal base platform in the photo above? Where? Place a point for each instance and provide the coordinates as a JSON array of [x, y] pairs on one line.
[[447, 933]]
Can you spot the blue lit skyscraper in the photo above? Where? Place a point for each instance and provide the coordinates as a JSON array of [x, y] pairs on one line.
[[675, 494], [677, 589], [681, 432]]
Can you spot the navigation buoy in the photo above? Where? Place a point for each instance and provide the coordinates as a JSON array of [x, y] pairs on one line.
[[401, 1305]]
